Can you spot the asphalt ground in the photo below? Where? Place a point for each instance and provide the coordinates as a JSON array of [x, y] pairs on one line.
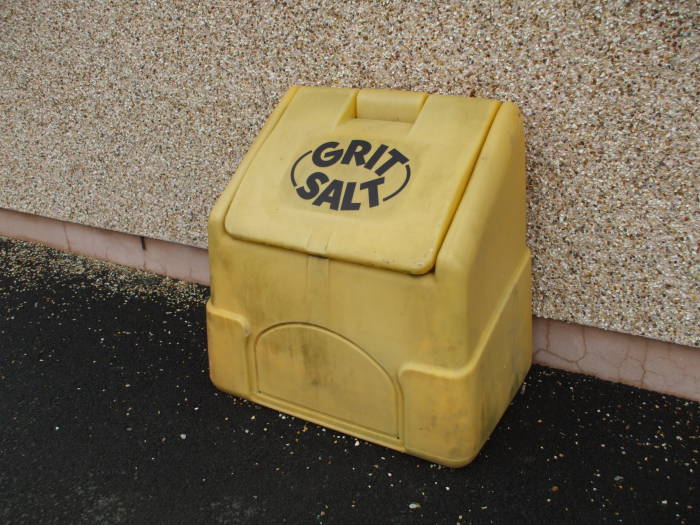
[[107, 415]]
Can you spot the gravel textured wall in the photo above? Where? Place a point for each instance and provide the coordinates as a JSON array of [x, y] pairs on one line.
[[134, 117]]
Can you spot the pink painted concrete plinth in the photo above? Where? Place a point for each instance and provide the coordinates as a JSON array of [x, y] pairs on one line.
[[645, 363], [178, 261]]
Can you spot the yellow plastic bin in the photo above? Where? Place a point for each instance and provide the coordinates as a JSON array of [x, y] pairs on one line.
[[369, 270]]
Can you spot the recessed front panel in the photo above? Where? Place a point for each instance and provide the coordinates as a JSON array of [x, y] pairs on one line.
[[323, 372]]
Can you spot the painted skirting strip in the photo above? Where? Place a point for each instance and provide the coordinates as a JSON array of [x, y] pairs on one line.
[[623, 358], [178, 261], [645, 363]]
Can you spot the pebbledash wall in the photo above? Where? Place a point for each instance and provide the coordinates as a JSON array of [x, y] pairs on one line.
[[132, 117]]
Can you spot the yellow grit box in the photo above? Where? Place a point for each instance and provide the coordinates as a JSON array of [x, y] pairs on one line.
[[369, 270]]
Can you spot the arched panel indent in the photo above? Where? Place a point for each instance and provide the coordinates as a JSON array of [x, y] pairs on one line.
[[321, 371]]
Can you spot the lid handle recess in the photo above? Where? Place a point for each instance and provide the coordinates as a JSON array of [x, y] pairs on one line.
[[389, 104]]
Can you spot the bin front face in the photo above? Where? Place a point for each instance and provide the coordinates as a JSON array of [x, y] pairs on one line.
[[373, 338]]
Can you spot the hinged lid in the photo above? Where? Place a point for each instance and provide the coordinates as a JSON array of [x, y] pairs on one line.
[[368, 176]]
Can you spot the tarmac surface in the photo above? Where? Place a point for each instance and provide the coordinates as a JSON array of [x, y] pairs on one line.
[[107, 415]]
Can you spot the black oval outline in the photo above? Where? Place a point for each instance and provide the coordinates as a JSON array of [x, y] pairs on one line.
[[294, 166], [408, 176]]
